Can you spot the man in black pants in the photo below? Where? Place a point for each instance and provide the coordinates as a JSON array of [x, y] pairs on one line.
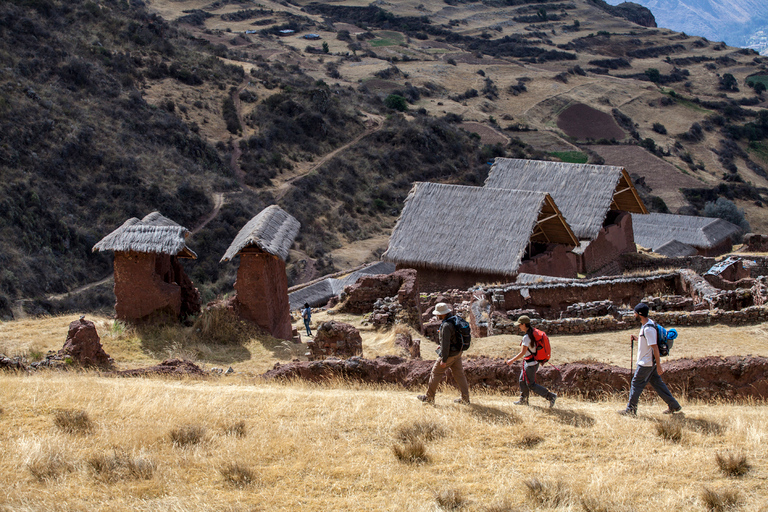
[[528, 351]]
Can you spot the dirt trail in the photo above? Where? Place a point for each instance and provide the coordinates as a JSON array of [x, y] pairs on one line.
[[218, 202], [373, 123]]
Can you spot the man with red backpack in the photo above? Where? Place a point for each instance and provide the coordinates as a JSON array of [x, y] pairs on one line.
[[534, 350]]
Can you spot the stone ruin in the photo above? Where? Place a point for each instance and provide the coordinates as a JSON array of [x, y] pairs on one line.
[[361, 298], [84, 345], [410, 348], [335, 339]]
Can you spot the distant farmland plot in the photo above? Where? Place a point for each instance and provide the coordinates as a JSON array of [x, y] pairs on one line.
[[583, 122], [763, 79], [572, 157], [386, 38]]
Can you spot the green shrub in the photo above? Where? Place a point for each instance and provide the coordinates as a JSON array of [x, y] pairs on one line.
[[396, 102]]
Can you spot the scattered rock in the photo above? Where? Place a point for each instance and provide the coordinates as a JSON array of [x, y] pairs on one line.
[[411, 348], [176, 367], [335, 339]]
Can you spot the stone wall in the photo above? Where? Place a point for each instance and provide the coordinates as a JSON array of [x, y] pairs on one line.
[[430, 280], [550, 299], [755, 243], [707, 378], [749, 315], [262, 293], [637, 262], [361, 298]]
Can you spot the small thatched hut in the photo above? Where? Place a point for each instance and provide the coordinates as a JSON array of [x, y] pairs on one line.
[[704, 236], [594, 199], [457, 236], [149, 280], [262, 283]]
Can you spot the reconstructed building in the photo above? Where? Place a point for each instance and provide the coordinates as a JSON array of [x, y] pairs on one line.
[[684, 235], [457, 236], [596, 201], [149, 280], [262, 284]]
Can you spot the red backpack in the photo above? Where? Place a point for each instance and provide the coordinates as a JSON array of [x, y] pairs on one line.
[[543, 350]]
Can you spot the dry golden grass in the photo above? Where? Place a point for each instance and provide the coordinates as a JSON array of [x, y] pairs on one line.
[[311, 447]]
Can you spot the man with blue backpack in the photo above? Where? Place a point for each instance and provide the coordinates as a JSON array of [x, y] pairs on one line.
[[454, 339], [649, 367]]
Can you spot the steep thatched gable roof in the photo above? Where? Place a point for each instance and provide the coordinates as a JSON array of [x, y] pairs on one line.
[[585, 193], [152, 234], [657, 229], [473, 229], [273, 231]]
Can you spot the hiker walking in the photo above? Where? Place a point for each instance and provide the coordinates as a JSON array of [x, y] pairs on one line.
[[529, 349], [449, 356], [306, 314], [649, 368]]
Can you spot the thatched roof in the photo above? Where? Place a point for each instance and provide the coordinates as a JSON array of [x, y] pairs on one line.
[[585, 193], [152, 234], [656, 229], [473, 229], [273, 231], [675, 249]]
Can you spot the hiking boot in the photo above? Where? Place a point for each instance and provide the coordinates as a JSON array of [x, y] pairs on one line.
[[670, 410], [552, 399], [628, 412], [425, 399], [521, 402], [461, 401]]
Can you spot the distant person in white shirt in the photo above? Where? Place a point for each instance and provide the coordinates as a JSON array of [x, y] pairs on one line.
[[649, 368]]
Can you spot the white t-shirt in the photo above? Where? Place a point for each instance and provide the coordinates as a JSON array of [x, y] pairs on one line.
[[527, 343], [646, 340]]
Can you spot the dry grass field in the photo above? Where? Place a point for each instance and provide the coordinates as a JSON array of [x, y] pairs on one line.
[[82, 441]]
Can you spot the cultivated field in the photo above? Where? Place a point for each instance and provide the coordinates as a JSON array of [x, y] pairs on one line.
[[82, 441]]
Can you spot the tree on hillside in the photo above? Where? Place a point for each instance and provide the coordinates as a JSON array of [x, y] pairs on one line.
[[727, 210], [396, 102]]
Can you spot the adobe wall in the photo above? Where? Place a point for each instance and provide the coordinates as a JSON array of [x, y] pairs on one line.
[[755, 243], [721, 248], [139, 287], [549, 299], [636, 262], [612, 241], [262, 293], [430, 280], [557, 261]]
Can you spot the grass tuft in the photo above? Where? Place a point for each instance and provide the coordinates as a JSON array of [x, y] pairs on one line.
[[545, 493], [670, 430], [49, 466], [236, 429], [420, 431], [187, 435], [502, 506], [732, 464], [220, 326], [73, 421], [412, 452], [593, 504], [528, 441], [237, 474], [121, 466], [720, 501], [450, 499]]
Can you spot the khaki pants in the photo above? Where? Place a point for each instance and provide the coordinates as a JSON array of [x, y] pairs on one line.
[[436, 377]]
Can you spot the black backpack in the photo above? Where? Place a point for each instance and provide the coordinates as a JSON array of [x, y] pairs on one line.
[[462, 333]]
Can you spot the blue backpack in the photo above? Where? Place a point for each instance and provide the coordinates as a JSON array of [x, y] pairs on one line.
[[665, 339]]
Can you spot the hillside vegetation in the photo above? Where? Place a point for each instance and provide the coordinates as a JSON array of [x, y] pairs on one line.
[[111, 110]]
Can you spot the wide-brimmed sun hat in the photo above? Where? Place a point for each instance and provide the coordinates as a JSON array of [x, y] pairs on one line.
[[523, 320], [441, 308]]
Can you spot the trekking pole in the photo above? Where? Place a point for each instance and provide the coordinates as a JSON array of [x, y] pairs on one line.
[[631, 355]]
